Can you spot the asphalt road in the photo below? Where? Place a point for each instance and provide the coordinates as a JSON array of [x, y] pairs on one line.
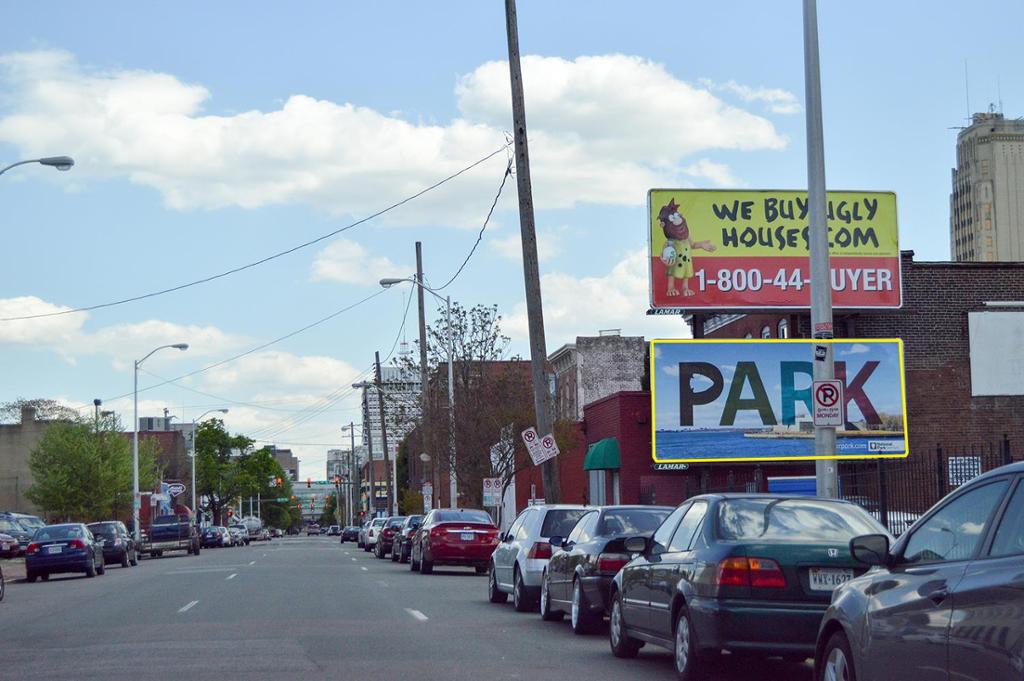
[[305, 609]]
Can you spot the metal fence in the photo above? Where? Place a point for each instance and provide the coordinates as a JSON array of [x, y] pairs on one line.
[[897, 492]]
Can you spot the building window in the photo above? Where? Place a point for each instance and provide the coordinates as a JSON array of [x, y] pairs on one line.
[[783, 328], [766, 332]]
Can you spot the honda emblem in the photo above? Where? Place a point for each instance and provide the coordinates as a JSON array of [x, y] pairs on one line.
[[833, 553]]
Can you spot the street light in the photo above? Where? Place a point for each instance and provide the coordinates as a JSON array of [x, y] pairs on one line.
[[62, 163], [453, 487], [195, 422], [135, 435]]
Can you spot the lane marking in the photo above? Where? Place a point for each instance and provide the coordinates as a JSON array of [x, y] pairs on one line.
[[252, 562], [353, 560], [364, 569], [417, 614], [187, 607], [232, 576]]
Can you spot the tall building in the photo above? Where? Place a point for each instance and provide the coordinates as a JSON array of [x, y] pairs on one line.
[[337, 459], [401, 388], [986, 208]]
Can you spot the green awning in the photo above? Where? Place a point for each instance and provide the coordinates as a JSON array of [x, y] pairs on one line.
[[603, 455]]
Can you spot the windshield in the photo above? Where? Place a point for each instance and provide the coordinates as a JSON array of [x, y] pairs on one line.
[[104, 529], [30, 522], [10, 526], [808, 520], [631, 520], [560, 521], [463, 517], [59, 532]]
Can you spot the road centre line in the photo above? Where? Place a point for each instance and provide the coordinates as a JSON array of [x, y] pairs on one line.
[[364, 569], [252, 562], [417, 614], [231, 576], [186, 608], [353, 560]]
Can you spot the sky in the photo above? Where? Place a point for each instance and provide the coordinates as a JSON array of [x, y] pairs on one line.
[[212, 135]]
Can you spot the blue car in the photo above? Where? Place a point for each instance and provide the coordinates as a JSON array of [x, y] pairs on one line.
[[70, 547]]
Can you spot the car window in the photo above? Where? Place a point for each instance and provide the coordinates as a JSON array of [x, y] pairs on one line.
[[806, 519], [631, 521], [667, 528], [1009, 539], [560, 521], [579, 533], [953, 532], [683, 536], [513, 529], [524, 527]]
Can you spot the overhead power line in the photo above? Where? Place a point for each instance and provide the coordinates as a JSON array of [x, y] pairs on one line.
[[266, 259]]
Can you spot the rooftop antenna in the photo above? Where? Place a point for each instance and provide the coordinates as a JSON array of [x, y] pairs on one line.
[[999, 92], [967, 93]]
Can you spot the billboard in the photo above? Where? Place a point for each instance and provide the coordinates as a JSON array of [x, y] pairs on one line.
[[750, 400], [748, 249]]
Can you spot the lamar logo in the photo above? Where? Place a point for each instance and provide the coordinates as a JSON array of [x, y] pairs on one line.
[[884, 446]]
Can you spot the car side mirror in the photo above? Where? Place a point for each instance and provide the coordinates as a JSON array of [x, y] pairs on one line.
[[507, 537], [557, 541], [871, 549], [635, 544]]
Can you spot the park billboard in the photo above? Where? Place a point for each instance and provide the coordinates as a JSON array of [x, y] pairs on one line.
[[749, 249], [750, 400]]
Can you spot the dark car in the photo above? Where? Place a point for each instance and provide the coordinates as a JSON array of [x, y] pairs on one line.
[[350, 533], [402, 540], [579, 573], [945, 601], [387, 536], [462, 536], [18, 533], [118, 545], [70, 547], [215, 536], [750, 573]]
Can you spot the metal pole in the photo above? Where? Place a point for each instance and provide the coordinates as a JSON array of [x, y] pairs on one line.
[[453, 483], [136, 502], [353, 473], [424, 395], [821, 285], [531, 270], [195, 511], [372, 503], [383, 432]]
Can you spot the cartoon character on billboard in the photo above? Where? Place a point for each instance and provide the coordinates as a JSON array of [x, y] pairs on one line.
[[677, 253]]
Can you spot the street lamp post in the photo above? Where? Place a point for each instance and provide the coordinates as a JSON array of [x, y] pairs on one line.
[[195, 452], [58, 162], [453, 487], [135, 437], [353, 478], [371, 509]]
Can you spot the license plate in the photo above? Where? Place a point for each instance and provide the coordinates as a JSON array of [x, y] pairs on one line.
[[53, 549], [8, 547], [466, 536], [827, 579]]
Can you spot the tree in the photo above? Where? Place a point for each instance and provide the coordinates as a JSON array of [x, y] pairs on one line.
[[84, 473], [46, 410], [219, 477], [258, 473], [329, 516]]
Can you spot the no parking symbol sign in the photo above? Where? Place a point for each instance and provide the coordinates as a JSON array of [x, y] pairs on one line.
[[829, 405]]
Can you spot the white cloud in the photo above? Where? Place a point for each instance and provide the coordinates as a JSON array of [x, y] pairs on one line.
[[584, 305], [549, 245], [281, 370], [856, 349], [672, 370], [776, 99], [718, 173], [350, 263], [603, 130]]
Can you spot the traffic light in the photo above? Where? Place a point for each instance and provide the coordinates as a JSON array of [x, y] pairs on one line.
[[293, 498], [280, 481], [231, 513]]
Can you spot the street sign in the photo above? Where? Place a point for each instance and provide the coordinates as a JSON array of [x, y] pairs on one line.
[[281, 500], [828, 403], [428, 496], [175, 488], [548, 448], [492, 491], [540, 448]]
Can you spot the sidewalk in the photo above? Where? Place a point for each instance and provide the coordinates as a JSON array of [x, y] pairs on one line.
[[14, 569]]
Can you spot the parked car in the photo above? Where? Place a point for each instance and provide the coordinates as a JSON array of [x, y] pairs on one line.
[[171, 533], [28, 521], [334, 530], [520, 558], [8, 546], [402, 541], [350, 533], [464, 537], [3, 584], [68, 547], [943, 601], [118, 544], [216, 536], [313, 530], [277, 532], [583, 565], [21, 536], [239, 535], [387, 536], [749, 573], [372, 533], [897, 522], [363, 530]]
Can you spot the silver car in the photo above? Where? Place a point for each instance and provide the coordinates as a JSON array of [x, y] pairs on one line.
[[372, 530], [518, 564]]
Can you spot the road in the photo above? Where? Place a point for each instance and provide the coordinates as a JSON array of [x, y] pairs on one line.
[[302, 608]]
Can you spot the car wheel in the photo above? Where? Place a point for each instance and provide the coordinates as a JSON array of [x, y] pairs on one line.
[[426, 566], [480, 569], [30, 576], [45, 576], [124, 559], [3, 585], [90, 569], [101, 569], [546, 613], [520, 599], [414, 565], [394, 555], [583, 620], [684, 653], [622, 644], [404, 557], [837, 660], [134, 560]]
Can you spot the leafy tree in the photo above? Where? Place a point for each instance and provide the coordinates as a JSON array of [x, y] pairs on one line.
[[329, 515], [219, 477], [46, 410], [258, 474], [84, 473]]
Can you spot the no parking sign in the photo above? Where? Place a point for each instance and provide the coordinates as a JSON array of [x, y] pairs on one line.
[[828, 403]]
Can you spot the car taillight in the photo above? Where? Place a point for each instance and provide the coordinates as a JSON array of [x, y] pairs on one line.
[[370, 533], [436, 531], [610, 563], [32, 548], [760, 573], [76, 544], [540, 549]]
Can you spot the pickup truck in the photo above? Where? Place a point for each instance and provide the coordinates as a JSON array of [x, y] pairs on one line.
[[170, 533]]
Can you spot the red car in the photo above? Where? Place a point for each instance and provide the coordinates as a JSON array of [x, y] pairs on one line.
[[387, 536], [454, 537]]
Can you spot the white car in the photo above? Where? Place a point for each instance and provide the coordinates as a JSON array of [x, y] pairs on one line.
[[372, 531], [518, 564]]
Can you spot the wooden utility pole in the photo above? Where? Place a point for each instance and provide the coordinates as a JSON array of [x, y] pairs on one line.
[[384, 432], [424, 394], [531, 270]]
